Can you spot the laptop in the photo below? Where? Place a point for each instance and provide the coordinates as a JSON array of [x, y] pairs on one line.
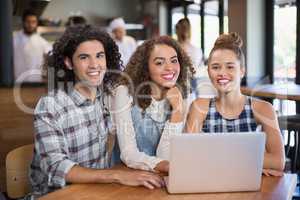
[[216, 162]]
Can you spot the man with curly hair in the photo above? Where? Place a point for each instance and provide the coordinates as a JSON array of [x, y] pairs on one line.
[[74, 136]]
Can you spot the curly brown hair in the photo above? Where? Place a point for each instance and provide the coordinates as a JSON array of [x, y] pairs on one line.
[[138, 71], [66, 46]]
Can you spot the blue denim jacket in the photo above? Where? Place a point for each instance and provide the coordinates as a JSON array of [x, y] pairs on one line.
[[148, 131]]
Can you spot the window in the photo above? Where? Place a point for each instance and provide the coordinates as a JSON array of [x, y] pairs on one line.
[[225, 18], [211, 24], [285, 16], [194, 17], [177, 14]]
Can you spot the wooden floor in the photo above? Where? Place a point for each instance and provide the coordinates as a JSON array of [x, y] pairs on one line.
[[16, 127]]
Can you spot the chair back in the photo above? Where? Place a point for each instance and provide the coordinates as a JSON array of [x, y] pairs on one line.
[[291, 128], [17, 168]]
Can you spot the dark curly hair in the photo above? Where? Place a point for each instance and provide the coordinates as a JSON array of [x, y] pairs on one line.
[[66, 46], [138, 72]]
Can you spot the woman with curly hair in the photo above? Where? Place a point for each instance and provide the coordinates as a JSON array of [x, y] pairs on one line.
[[232, 111], [74, 137], [151, 102]]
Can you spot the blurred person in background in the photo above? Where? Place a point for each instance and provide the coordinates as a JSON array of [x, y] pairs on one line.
[[183, 32], [29, 50], [201, 83], [126, 44]]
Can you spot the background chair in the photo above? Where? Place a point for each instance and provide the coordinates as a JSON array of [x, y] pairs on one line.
[[17, 168], [290, 126], [2, 197]]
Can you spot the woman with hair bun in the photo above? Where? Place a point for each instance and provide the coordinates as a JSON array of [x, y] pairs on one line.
[[231, 111]]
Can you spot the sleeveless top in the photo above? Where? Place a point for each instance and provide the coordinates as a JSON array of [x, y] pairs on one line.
[[214, 121]]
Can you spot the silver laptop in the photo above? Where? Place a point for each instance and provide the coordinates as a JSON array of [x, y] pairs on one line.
[[218, 162]]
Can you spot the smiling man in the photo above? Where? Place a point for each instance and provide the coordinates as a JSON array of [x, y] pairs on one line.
[[74, 135]]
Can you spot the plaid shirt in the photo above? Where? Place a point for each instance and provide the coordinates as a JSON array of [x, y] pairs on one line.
[[69, 130], [215, 123]]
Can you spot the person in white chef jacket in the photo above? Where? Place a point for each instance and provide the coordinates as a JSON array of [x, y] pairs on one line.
[[29, 50], [126, 43]]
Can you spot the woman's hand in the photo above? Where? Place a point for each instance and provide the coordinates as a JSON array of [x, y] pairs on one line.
[[173, 95], [272, 172], [162, 166]]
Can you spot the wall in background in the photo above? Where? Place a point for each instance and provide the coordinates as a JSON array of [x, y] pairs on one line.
[[247, 18], [94, 10]]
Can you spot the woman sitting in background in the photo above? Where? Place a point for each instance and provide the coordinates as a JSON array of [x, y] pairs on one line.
[[149, 103], [200, 83], [183, 32], [232, 111]]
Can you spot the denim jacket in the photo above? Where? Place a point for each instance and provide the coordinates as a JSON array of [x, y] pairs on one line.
[[148, 130]]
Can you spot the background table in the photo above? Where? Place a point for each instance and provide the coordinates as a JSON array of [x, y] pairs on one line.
[[289, 91], [281, 91]]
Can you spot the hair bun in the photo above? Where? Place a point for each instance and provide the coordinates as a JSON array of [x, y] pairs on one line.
[[231, 39]]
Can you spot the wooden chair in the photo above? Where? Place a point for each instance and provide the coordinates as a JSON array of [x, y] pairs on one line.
[[17, 168], [2, 197]]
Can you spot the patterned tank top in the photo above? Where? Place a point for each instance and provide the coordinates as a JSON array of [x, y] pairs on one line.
[[214, 121]]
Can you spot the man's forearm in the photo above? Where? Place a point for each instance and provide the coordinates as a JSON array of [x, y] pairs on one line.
[[79, 174]]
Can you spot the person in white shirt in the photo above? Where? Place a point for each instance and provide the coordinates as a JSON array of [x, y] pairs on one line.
[[183, 32], [126, 43], [29, 50], [150, 102], [201, 83]]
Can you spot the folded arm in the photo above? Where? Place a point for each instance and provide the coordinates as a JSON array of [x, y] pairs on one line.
[[274, 154]]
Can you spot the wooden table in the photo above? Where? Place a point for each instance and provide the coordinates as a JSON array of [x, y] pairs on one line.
[[275, 188], [288, 91]]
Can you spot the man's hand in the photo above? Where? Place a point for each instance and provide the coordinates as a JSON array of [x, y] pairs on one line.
[[136, 178]]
